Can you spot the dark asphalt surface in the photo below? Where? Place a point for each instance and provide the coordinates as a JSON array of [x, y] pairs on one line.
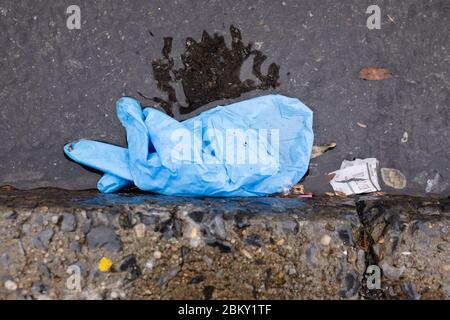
[[58, 85]]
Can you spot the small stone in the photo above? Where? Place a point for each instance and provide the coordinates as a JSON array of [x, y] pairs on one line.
[[197, 279], [42, 240], [409, 291], [254, 240], [131, 266], [215, 227], [38, 220], [447, 291], [192, 232], [139, 229], [222, 246], [352, 285], [208, 261], [75, 246], [11, 215], [436, 184], [4, 260], [165, 278], [149, 219], [289, 226], [391, 272], [43, 209], [44, 271], [103, 236], [291, 270], [352, 256], [85, 227], [157, 254], [346, 236], [126, 220], [310, 255], [247, 254], [10, 285], [325, 240], [361, 261], [208, 292], [149, 264], [39, 288], [69, 223]]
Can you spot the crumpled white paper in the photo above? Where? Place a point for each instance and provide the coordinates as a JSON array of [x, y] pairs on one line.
[[356, 177]]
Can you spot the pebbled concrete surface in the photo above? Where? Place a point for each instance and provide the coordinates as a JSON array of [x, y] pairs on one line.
[[58, 85], [176, 248]]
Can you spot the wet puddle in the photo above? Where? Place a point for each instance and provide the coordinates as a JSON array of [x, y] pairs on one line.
[[264, 204], [211, 71]]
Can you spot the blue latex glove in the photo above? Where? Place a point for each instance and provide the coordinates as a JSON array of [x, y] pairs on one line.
[[255, 147]]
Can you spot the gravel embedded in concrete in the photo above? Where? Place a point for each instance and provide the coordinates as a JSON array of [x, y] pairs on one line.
[[261, 248]]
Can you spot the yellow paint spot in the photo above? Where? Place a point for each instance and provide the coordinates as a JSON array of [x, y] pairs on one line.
[[104, 264]]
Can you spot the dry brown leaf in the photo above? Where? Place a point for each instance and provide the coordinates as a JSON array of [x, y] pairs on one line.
[[340, 194], [336, 194], [298, 189], [320, 150], [375, 73]]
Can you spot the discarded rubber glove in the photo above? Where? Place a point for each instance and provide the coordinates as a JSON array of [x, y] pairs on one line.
[[255, 147]]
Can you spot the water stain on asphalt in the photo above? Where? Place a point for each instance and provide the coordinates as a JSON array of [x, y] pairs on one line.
[[211, 71]]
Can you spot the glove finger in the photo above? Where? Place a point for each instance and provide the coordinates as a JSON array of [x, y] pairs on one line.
[[100, 156], [144, 164], [109, 183], [172, 140], [129, 112]]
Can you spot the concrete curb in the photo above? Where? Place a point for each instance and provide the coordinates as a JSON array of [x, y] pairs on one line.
[[265, 248]]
